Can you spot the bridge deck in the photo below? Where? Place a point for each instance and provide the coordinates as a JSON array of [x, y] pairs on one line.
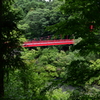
[[47, 42]]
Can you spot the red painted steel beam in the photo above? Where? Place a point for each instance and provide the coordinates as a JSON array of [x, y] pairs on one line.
[[47, 42]]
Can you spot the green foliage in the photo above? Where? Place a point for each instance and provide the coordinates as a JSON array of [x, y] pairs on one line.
[[13, 89], [10, 34], [42, 71], [78, 73], [95, 67], [45, 68], [57, 94], [77, 95], [10, 44], [38, 15], [80, 15]]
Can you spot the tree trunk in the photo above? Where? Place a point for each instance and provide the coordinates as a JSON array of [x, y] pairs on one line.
[[1, 82], [1, 56]]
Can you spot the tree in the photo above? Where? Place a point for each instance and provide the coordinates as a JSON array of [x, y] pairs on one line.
[[38, 17], [82, 20], [79, 17], [9, 40]]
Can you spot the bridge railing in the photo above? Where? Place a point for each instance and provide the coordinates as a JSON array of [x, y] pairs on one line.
[[47, 42]]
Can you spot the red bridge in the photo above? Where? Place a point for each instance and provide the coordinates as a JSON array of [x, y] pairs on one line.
[[47, 42]]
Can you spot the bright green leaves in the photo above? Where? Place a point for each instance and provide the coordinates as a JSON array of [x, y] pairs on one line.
[[95, 67], [57, 94], [52, 71], [95, 64]]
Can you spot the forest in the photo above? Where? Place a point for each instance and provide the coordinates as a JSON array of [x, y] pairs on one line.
[[58, 72]]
